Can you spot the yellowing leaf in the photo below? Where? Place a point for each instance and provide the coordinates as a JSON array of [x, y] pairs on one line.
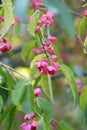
[[85, 44], [8, 16]]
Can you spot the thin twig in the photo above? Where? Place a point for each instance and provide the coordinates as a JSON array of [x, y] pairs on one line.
[[75, 13], [85, 47], [11, 69], [11, 74], [8, 89]]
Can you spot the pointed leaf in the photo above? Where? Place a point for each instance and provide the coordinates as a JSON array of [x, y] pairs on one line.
[[71, 80], [16, 30], [82, 26], [28, 100], [33, 23], [44, 105], [27, 49], [18, 92], [8, 16], [46, 85]]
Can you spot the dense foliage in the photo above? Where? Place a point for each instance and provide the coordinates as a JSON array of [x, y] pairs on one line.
[[43, 47]]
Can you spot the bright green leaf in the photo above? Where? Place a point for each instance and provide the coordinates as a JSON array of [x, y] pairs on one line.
[[18, 92], [37, 37], [82, 26], [1, 103], [27, 104], [45, 107], [71, 80], [8, 15], [83, 99], [27, 49], [46, 85], [33, 23]]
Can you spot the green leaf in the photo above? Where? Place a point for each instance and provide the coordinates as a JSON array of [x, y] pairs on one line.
[[46, 124], [46, 85], [64, 17], [16, 30], [1, 103], [33, 23], [45, 107], [71, 80], [85, 44], [18, 92], [8, 16], [63, 126], [10, 118], [8, 109], [27, 49], [37, 37], [83, 99], [82, 26], [40, 125], [28, 100]]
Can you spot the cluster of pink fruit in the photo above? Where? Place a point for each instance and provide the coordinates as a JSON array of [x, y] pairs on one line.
[[31, 122], [46, 19], [48, 64], [4, 46], [31, 125], [79, 87]]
